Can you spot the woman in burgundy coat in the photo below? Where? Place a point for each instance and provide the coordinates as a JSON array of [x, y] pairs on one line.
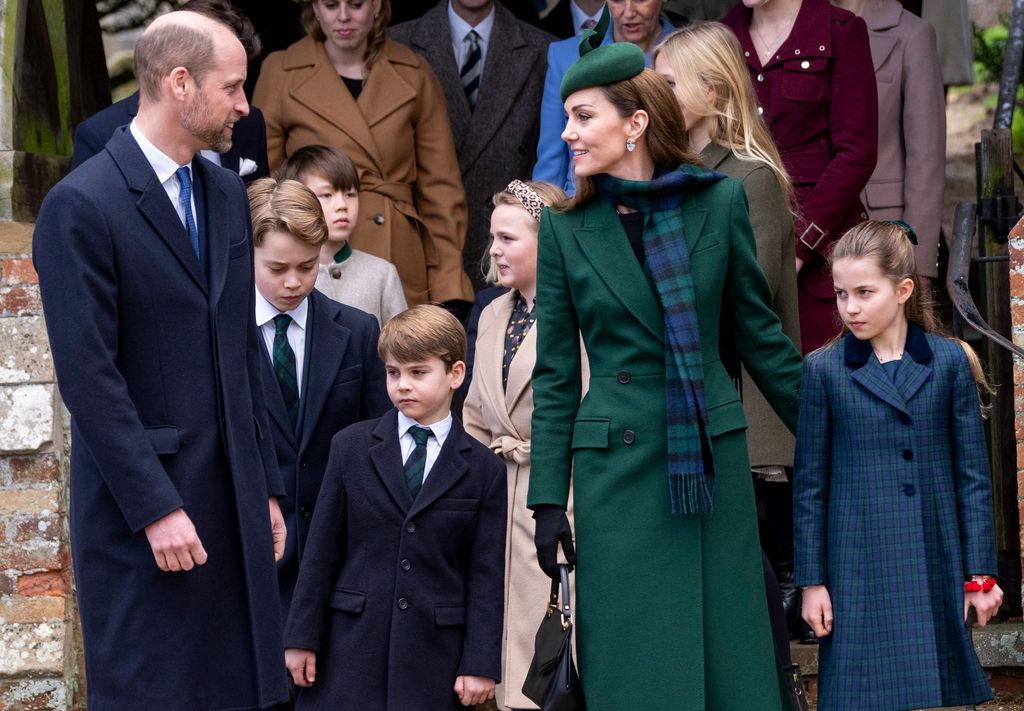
[[811, 66]]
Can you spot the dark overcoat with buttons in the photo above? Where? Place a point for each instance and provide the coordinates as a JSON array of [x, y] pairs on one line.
[[398, 597], [820, 101], [661, 599], [892, 508], [342, 383], [157, 360]]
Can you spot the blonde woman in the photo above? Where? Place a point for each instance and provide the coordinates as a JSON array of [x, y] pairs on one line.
[[498, 409], [703, 64]]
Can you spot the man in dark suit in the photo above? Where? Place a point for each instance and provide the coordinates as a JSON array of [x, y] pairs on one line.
[[145, 269], [492, 87], [571, 17], [248, 153]]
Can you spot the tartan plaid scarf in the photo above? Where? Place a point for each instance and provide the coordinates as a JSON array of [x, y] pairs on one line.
[[691, 477]]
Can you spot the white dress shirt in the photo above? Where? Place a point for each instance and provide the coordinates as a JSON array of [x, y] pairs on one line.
[[164, 166], [434, 444], [579, 17], [460, 31], [265, 313]]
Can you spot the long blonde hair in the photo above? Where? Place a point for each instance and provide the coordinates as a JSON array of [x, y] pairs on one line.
[[712, 80]]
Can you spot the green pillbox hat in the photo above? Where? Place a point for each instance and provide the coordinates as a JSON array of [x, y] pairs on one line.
[[602, 65]]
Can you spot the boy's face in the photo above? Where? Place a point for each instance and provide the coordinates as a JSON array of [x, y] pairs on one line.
[[423, 390], [286, 269], [341, 207]]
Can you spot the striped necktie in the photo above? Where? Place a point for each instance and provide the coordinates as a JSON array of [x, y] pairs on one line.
[[284, 367], [416, 464], [185, 180], [472, 69]]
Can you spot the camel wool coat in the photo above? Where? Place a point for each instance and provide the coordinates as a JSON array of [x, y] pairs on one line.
[[412, 208], [501, 420]]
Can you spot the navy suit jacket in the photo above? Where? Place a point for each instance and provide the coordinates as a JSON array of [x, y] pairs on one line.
[[398, 597], [249, 140], [158, 363], [343, 383]]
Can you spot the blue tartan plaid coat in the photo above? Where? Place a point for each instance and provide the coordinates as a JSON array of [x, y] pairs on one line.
[[892, 508]]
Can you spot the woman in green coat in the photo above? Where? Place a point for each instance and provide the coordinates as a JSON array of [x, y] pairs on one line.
[[653, 261]]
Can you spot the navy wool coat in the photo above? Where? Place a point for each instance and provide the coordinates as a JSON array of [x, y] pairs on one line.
[[343, 383], [157, 362], [892, 508], [399, 597]]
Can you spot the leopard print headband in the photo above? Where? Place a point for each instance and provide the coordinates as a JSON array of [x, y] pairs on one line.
[[527, 196]]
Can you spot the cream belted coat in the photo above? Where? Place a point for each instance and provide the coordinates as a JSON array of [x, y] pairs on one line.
[[412, 207], [501, 420]]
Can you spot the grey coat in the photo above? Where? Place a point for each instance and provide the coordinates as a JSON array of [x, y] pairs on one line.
[[769, 441], [496, 142]]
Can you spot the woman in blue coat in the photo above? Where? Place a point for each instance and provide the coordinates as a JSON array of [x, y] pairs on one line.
[[892, 496]]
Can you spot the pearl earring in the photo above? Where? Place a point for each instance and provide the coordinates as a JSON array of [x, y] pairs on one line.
[[630, 145]]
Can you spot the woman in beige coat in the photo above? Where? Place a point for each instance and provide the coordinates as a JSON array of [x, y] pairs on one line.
[[498, 409], [346, 85]]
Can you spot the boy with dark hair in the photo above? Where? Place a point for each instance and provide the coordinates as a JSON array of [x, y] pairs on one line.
[[400, 595]]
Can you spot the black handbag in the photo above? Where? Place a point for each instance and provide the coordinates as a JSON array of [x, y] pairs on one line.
[[552, 682]]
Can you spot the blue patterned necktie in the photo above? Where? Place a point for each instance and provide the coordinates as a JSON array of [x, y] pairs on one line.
[[472, 69], [416, 464], [284, 367], [186, 204]]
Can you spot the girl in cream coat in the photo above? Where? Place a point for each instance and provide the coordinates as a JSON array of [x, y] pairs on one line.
[[498, 409]]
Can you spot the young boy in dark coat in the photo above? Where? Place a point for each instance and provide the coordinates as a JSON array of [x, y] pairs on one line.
[[400, 594], [321, 371]]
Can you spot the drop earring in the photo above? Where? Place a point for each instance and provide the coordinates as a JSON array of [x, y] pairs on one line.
[[630, 145]]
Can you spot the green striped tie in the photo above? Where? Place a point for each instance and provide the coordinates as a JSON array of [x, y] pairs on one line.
[[284, 367], [417, 461]]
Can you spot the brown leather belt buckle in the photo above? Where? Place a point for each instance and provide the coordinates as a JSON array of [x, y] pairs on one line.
[[811, 230]]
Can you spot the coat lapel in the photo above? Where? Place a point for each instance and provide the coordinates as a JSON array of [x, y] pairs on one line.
[[881, 17], [433, 39], [605, 245], [912, 373], [448, 468], [326, 344], [323, 93], [386, 456], [490, 349], [219, 227], [384, 93], [153, 203]]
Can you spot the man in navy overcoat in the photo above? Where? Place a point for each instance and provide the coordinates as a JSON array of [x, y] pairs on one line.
[[145, 267]]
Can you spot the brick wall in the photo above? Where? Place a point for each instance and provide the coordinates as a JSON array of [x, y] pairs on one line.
[[40, 665]]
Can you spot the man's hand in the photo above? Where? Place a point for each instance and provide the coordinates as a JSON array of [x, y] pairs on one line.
[[473, 690], [175, 543], [817, 609], [277, 529], [302, 665]]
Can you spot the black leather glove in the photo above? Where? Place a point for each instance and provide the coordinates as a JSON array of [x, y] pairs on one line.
[[552, 528]]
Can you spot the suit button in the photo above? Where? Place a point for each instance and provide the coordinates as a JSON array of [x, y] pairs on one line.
[[624, 377], [304, 464], [908, 455], [410, 527], [378, 219], [403, 604], [405, 564], [304, 511], [629, 436], [903, 418], [908, 489], [760, 77]]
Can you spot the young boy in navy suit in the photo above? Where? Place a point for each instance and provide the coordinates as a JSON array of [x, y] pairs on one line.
[[321, 371], [400, 594]]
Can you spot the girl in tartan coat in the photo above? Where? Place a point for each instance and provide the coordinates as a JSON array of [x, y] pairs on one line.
[[892, 496]]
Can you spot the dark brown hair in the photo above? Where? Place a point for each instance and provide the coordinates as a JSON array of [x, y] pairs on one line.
[[423, 332], [326, 161], [665, 135]]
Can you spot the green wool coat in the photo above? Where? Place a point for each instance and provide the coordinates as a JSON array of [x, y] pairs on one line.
[[671, 612]]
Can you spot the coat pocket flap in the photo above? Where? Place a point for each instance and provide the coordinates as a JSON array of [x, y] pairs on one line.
[[888, 194], [449, 615], [164, 439], [347, 375], [726, 418], [347, 601], [592, 432]]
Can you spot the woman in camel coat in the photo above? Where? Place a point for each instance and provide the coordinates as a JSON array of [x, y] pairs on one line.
[[346, 85]]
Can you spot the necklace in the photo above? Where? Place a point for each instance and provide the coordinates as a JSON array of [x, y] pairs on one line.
[[894, 356], [770, 47]]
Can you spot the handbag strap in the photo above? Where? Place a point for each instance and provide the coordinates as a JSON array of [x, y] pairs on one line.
[[565, 608]]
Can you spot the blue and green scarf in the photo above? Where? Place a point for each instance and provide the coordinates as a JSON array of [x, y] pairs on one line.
[[691, 476]]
